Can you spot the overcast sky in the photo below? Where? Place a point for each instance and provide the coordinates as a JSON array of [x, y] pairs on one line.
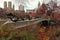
[[29, 4]]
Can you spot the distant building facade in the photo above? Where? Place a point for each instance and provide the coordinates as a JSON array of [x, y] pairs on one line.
[[5, 5], [13, 7], [9, 5], [38, 4], [21, 7]]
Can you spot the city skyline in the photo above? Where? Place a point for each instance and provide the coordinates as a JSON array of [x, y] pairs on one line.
[[28, 4]]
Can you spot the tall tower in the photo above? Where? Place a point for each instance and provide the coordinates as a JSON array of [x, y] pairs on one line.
[[21, 8], [13, 6], [38, 4], [5, 5], [9, 5]]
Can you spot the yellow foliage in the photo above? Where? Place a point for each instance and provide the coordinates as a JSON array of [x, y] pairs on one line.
[[42, 29]]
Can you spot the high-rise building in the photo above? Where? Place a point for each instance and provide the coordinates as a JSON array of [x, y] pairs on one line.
[[13, 6], [9, 5], [5, 5], [21, 8], [38, 4]]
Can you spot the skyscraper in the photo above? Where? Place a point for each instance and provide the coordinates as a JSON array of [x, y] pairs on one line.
[[21, 7], [38, 4], [13, 6], [9, 5], [5, 5]]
